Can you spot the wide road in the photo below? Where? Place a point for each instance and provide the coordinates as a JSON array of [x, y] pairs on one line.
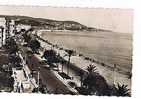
[[48, 78], [54, 85]]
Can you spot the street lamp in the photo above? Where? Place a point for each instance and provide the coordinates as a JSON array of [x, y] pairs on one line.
[[38, 78], [114, 73]]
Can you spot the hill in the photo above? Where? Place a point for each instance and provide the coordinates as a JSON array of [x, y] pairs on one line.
[[50, 24]]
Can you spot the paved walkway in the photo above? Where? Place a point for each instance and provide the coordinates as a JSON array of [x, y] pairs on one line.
[[21, 84]]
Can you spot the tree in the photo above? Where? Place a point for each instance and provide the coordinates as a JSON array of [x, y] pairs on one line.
[[121, 90], [95, 83], [63, 62], [11, 46], [15, 60], [26, 37], [70, 52], [34, 45], [50, 56], [14, 49], [91, 68], [10, 42]]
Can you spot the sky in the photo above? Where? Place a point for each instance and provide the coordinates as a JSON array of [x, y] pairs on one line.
[[115, 19]]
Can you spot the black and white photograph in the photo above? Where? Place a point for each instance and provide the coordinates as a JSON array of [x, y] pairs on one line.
[[67, 51]]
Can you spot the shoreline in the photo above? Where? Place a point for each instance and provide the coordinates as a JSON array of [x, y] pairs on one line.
[[101, 68], [93, 53]]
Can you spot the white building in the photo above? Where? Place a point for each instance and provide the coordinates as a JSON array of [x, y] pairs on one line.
[[7, 28], [2, 31], [12, 28], [21, 26]]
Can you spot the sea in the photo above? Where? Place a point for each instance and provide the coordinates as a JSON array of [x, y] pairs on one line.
[[108, 47]]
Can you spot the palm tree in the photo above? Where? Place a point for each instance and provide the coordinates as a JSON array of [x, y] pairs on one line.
[[121, 90], [70, 52], [89, 80], [91, 68], [94, 82], [63, 62]]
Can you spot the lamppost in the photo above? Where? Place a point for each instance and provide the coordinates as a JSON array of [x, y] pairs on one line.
[[114, 73], [38, 78]]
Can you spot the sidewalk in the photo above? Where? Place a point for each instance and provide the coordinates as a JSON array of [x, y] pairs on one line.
[[23, 80], [21, 83], [28, 73]]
